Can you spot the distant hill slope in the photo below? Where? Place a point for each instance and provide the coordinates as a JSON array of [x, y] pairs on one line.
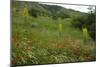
[[55, 11]]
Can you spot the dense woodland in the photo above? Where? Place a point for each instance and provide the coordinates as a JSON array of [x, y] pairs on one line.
[[40, 31]]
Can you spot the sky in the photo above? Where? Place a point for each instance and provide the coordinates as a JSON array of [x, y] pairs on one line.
[[78, 7]]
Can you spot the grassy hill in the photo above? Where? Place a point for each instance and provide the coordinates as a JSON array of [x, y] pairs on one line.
[[44, 34]]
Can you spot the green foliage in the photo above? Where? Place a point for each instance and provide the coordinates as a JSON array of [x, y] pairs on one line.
[[35, 40], [35, 12], [89, 21], [79, 21], [92, 24]]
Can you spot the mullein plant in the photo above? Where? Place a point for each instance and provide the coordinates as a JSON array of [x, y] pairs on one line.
[[60, 27], [85, 35], [24, 13]]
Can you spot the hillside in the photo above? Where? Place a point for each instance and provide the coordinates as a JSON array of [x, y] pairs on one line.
[[44, 34], [49, 10]]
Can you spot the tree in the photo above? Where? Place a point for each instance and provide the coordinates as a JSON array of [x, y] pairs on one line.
[[89, 20], [92, 22]]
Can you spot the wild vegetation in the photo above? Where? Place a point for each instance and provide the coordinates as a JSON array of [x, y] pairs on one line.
[[47, 34]]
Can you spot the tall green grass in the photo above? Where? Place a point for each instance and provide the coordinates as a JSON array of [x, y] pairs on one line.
[[37, 41]]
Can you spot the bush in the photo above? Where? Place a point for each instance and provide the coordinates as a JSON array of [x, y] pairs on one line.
[[87, 20]]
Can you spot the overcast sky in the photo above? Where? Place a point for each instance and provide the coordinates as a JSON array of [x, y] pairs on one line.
[[78, 8]]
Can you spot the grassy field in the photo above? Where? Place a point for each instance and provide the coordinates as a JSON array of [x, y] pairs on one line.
[[36, 41], [40, 41]]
